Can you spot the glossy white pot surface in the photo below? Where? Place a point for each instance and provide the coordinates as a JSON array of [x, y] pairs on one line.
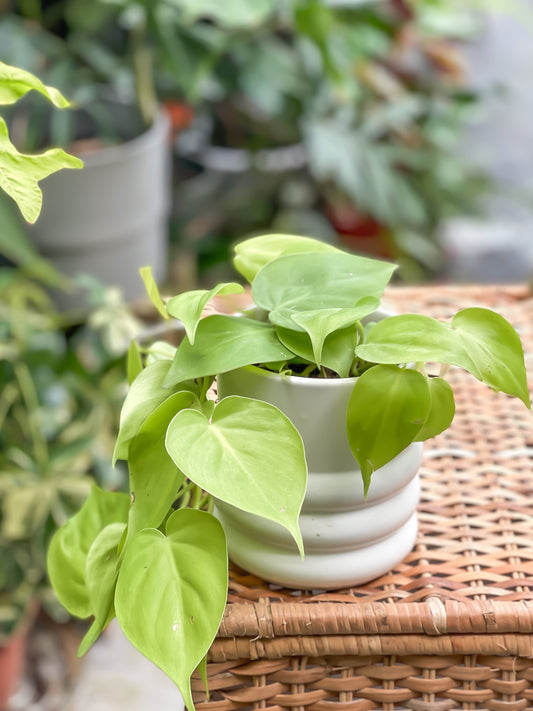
[[347, 540]]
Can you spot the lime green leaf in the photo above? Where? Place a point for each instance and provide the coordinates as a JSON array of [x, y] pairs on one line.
[[319, 323], [442, 409], [20, 173], [146, 393], [101, 572], [478, 340], [16, 82], [154, 478], [134, 362], [70, 545], [234, 458], [224, 343], [305, 282], [338, 350], [252, 254], [171, 593], [386, 410], [188, 307], [153, 291]]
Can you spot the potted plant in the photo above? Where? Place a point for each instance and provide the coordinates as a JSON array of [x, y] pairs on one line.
[[158, 560], [118, 206]]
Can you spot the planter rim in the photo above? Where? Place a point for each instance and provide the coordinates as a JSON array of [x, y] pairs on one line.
[[299, 381], [110, 154]]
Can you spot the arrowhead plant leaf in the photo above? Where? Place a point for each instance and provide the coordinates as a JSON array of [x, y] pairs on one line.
[[21, 173], [171, 593], [249, 455]]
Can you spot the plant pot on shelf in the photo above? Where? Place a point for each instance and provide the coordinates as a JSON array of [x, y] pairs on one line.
[[347, 540], [110, 218]]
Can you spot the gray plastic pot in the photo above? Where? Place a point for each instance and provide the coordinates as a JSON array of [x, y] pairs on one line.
[[110, 218]]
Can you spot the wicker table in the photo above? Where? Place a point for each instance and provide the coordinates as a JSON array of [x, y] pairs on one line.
[[452, 625]]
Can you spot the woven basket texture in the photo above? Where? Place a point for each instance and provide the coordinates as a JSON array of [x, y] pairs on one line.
[[449, 627]]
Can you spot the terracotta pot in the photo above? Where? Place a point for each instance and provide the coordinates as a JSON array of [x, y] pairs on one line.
[[12, 662]]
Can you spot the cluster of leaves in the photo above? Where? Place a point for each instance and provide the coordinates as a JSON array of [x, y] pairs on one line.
[[159, 562], [59, 404]]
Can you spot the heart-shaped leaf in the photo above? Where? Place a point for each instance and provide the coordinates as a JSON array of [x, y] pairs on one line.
[[338, 350], [478, 340], [146, 393], [70, 545], [442, 409], [249, 455], [188, 307], [386, 410], [252, 254], [101, 572], [179, 583], [225, 343], [154, 478], [305, 282], [320, 323]]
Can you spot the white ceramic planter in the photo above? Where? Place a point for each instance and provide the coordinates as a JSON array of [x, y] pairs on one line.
[[110, 218], [347, 541]]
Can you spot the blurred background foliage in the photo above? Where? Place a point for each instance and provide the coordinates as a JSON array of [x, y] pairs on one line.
[[341, 120]]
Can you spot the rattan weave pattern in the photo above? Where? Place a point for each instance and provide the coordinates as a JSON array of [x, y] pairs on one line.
[[452, 625]]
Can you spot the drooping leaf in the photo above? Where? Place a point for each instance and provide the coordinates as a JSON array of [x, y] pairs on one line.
[[442, 409], [101, 572], [179, 583], [188, 307], [252, 254], [16, 82], [224, 343], [478, 340], [305, 282], [338, 350], [386, 410], [321, 323], [249, 455], [146, 393], [70, 545], [152, 290], [154, 478], [21, 173]]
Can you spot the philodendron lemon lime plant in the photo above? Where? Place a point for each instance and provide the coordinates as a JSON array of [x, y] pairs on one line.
[[157, 559]]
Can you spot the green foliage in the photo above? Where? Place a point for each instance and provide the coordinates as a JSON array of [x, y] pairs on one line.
[[20, 173], [312, 318], [59, 403]]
